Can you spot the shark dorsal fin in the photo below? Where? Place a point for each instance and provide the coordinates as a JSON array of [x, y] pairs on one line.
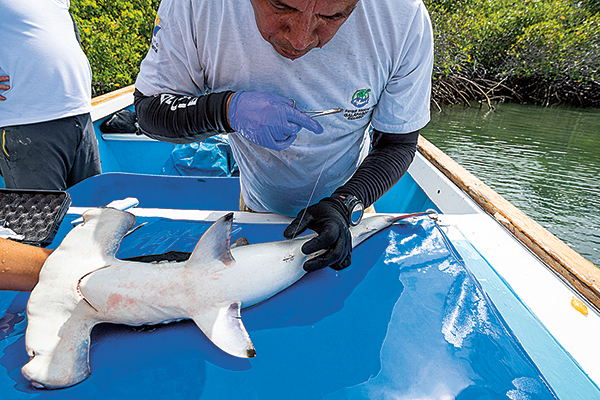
[[214, 244]]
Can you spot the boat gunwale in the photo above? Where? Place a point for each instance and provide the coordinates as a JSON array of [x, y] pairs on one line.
[[112, 95]]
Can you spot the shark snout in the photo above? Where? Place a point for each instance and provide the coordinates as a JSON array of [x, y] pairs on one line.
[[40, 369], [27, 373]]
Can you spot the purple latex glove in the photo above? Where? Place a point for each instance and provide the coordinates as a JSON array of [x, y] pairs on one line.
[[268, 120]]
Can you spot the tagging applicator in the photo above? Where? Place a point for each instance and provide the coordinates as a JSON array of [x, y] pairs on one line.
[[318, 113]]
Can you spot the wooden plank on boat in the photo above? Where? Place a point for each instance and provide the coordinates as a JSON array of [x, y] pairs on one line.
[[112, 95], [573, 267]]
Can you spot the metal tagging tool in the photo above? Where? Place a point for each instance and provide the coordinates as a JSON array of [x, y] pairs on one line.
[[318, 113]]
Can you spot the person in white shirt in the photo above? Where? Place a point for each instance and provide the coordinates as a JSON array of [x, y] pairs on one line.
[[48, 140], [248, 68]]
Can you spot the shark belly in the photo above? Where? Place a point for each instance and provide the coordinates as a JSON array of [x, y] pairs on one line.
[[136, 293], [262, 270]]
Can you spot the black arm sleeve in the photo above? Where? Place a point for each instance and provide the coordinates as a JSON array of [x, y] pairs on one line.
[[182, 119], [388, 160]]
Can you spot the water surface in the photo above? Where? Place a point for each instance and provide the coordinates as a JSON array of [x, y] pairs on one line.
[[544, 160]]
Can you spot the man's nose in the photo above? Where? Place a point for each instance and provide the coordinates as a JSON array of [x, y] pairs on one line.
[[301, 31]]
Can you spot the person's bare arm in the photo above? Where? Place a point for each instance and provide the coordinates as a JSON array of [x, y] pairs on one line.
[[20, 265]]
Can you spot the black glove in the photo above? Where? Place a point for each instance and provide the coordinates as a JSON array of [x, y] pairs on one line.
[[329, 219]]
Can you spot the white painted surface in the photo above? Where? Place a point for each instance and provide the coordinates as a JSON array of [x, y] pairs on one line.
[[110, 106], [200, 215], [445, 194]]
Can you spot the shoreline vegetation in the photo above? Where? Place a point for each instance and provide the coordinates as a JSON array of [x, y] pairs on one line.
[[544, 52]]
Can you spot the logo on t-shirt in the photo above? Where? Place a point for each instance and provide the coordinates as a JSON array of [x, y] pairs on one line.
[[360, 98], [157, 28]]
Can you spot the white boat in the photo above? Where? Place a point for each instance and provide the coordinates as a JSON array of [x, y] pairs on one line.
[[546, 295]]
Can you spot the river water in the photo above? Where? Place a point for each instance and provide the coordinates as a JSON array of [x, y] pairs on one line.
[[546, 161]]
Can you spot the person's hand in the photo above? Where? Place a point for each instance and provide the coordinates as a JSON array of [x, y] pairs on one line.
[[328, 218], [267, 119], [4, 86]]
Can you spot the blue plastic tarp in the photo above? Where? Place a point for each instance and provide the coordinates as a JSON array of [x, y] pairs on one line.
[[406, 320], [210, 157]]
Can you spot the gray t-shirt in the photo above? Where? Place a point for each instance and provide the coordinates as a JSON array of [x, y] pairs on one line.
[[377, 68], [50, 76]]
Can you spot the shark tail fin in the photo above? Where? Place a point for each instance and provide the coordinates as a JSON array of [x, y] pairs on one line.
[[224, 327]]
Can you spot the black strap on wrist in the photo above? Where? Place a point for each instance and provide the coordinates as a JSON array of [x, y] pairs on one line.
[[352, 206]]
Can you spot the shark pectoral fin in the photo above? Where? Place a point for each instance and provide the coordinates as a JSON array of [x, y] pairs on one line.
[[214, 245], [224, 327], [240, 242], [106, 228]]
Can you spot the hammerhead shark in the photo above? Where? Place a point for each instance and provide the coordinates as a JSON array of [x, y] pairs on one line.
[[82, 284]]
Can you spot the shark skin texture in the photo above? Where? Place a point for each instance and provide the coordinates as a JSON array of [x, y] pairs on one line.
[[82, 284]]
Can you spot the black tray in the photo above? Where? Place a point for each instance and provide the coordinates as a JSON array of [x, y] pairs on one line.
[[35, 214]]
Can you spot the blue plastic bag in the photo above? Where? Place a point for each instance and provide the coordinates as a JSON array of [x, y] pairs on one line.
[[210, 157]]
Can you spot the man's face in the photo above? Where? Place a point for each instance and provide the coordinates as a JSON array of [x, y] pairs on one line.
[[295, 27]]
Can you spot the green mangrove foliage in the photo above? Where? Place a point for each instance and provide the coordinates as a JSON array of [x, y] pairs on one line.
[[538, 51], [115, 35]]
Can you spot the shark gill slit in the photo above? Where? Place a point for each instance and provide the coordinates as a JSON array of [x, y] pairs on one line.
[[79, 286]]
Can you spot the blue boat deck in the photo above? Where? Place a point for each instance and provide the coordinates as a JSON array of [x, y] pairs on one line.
[[407, 318]]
